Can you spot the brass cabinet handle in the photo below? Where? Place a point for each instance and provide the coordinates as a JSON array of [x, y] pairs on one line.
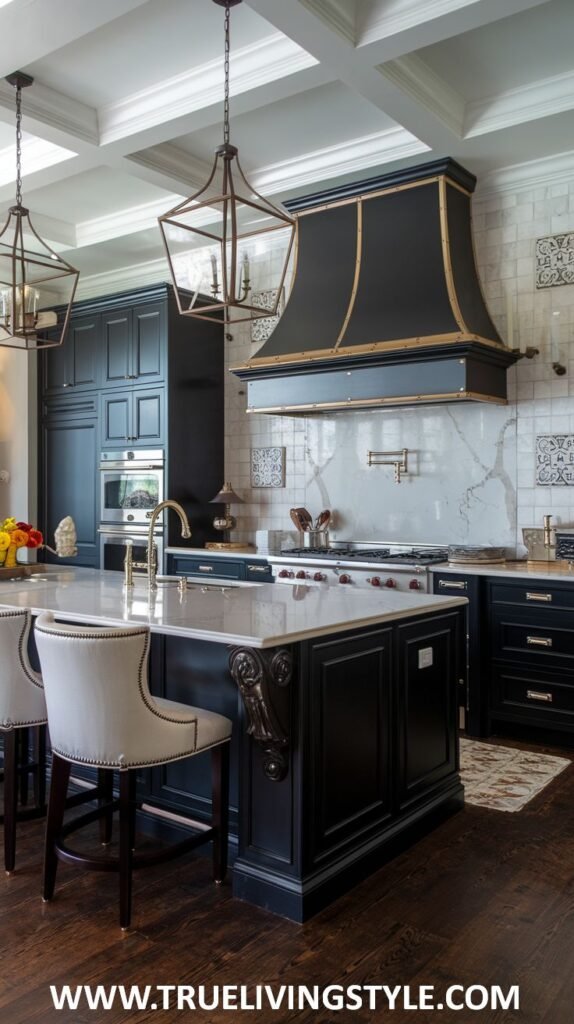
[[539, 641], [537, 695], [453, 584], [533, 596], [258, 568], [205, 568]]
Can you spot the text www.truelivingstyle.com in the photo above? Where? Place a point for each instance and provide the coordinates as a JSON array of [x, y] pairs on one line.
[[252, 998]]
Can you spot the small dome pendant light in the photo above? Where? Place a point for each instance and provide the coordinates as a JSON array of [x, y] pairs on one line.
[[225, 217], [31, 273]]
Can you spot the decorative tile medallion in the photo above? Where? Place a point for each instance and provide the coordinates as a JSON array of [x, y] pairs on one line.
[[502, 778], [555, 460], [262, 328], [554, 260], [268, 467]]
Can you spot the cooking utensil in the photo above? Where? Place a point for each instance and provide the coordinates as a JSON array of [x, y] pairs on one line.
[[322, 520], [303, 517], [296, 519]]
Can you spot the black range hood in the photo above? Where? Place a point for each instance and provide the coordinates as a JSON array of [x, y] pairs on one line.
[[386, 306]]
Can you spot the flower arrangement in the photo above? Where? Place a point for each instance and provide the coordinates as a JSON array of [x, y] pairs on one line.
[[15, 535]]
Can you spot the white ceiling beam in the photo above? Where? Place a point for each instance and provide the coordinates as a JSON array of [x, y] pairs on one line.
[[544, 98], [386, 30], [59, 234], [345, 62], [32, 29]]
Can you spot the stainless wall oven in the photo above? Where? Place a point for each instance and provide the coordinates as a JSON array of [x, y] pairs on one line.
[[113, 540], [131, 485]]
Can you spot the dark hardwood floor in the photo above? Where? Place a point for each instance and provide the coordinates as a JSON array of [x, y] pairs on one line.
[[488, 898]]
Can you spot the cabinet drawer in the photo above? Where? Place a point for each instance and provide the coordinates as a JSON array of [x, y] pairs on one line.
[[259, 572], [546, 639], [535, 595], [216, 567], [533, 695]]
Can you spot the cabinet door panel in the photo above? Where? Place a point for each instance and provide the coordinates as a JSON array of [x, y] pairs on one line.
[[148, 342], [55, 373], [430, 653], [116, 347], [148, 415], [116, 419], [350, 739], [83, 343], [70, 482]]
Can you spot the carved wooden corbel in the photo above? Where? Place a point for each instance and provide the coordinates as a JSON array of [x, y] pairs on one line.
[[256, 672]]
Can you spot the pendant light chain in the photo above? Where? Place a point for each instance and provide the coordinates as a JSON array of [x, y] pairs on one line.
[[226, 70], [19, 145]]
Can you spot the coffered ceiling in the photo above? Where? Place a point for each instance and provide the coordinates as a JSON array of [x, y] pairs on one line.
[[126, 106]]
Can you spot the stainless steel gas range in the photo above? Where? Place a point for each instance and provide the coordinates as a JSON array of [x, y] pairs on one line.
[[395, 566]]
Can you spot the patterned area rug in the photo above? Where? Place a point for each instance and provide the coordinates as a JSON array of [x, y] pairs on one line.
[[502, 778]]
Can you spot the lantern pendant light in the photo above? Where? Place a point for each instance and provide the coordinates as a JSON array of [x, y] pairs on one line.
[[222, 222], [32, 275]]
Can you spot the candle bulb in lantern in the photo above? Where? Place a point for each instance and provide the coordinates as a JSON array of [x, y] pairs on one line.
[[214, 281]]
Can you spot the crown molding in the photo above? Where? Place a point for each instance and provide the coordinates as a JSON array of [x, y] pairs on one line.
[[551, 170], [539, 99], [254, 66], [338, 15], [346, 157], [172, 162], [123, 279], [414, 77], [47, 107]]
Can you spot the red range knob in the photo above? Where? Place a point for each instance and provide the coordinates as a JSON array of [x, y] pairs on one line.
[[319, 577], [375, 581], [301, 575], [344, 578], [414, 585], [390, 582], [284, 574]]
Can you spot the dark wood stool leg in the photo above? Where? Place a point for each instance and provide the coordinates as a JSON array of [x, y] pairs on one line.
[[24, 759], [11, 746], [106, 786], [56, 808], [40, 773], [220, 809], [127, 800]]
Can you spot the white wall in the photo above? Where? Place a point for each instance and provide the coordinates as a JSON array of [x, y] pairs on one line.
[[18, 434]]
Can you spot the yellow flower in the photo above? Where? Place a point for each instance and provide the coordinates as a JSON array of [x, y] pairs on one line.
[[4, 540], [9, 524]]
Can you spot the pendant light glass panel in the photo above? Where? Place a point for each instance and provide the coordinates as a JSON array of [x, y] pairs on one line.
[[210, 240], [33, 278]]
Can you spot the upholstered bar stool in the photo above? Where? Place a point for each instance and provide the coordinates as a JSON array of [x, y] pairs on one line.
[[22, 708], [101, 713]]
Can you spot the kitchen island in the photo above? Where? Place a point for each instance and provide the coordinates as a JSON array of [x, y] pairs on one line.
[[344, 710]]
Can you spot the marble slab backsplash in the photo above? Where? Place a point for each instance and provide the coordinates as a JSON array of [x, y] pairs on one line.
[[472, 468]]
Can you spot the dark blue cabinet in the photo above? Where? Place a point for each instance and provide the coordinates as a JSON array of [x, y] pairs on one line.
[[152, 378], [68, 482], [256, 570]]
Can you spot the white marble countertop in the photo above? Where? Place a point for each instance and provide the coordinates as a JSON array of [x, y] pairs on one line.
[[528, 570], [256, 615]]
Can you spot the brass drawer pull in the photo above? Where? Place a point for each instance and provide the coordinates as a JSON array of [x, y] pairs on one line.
[[539, 641], [205, 568], [537, 695], [258, 568], [453, 584], [533, 596]]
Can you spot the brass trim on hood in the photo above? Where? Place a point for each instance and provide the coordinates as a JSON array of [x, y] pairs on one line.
[[371, 402], [313, 355], [447, 263], [363, 197], [355, 287]]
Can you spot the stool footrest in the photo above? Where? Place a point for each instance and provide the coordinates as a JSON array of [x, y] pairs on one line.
[[139, 860]]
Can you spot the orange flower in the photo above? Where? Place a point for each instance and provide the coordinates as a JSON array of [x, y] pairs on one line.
[[35, 538], [19, 538]]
